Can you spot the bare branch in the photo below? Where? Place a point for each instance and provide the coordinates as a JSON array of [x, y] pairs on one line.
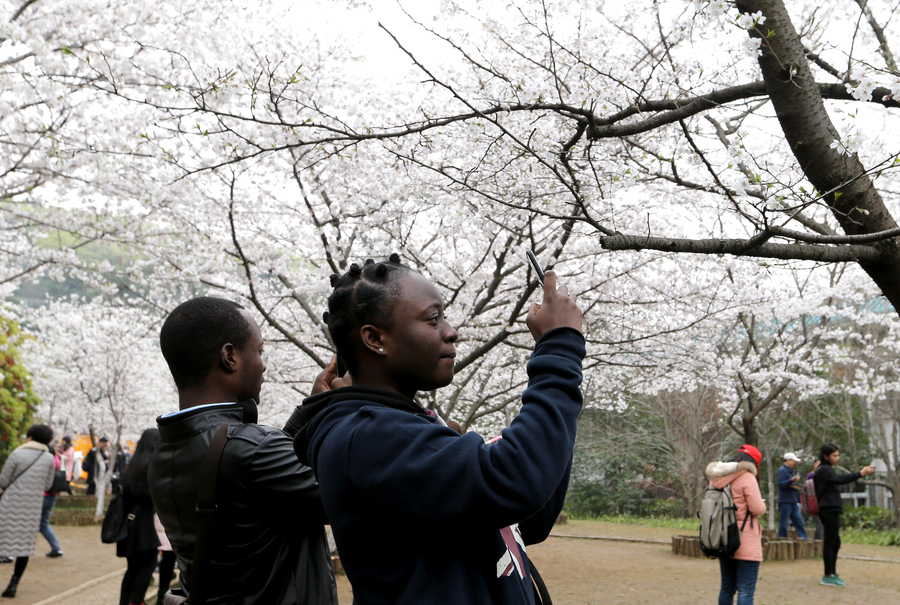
[[741, 247]]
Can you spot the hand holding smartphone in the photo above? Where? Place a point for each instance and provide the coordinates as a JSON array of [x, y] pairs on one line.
[[537, 268], [557, 309]]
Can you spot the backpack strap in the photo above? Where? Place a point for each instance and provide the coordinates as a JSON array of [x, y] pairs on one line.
[[13, 480], [206, 513], [541, 594]]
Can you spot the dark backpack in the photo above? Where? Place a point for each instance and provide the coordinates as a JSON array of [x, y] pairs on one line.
[[90, 461], [60, 484], [115, 522], [809, 501], [720, 536]]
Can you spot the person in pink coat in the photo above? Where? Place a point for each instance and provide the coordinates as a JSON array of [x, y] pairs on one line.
[[66, 452], [739, 573], [167, 556]]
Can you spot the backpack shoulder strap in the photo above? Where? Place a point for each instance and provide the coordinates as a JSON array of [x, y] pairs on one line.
[[13, 480], [206, 512]]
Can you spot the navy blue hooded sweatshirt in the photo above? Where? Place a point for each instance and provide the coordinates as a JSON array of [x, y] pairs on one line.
[[422, 515]]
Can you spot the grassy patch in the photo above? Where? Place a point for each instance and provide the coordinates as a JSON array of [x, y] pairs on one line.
[[848, 535], [874, 537], [667, 522]]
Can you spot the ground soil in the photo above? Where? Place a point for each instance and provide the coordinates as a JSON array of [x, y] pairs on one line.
[[577, 571], [84, 559], [587, 572]]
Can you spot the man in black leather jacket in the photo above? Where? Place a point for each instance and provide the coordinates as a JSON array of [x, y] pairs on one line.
[[270, 544]]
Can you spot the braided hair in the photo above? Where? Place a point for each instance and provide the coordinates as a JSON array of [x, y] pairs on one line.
[[363, 295]]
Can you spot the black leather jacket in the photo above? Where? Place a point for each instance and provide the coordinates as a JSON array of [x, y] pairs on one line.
[[270, 540]]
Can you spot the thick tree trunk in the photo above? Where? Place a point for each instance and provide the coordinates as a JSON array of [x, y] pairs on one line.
[[858, 207], [749, 435], [770, 479]]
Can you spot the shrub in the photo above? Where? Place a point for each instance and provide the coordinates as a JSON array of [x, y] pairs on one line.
[[657, 507], [17, 399], [596, 499], [869, 517]]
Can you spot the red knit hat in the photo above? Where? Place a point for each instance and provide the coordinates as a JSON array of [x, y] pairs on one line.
[[752, 452]]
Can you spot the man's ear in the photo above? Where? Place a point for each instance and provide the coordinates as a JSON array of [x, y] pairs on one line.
[[372, 339], [228, 358]]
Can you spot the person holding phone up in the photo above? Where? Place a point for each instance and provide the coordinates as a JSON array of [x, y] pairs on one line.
[[831, 507]]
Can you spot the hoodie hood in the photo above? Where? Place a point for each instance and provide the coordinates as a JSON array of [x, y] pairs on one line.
[[315, 408], [723, 473]]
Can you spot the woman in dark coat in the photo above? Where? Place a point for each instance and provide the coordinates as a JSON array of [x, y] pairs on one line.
[[141, 545], [831, 507]]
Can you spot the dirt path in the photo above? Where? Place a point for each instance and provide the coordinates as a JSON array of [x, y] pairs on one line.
[[85, 558], [577, 572], [587, 572]]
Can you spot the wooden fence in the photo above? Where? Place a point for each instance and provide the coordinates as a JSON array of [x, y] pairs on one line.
[[774, 549]]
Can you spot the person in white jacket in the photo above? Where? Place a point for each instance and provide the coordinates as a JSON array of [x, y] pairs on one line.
[[27, 474]]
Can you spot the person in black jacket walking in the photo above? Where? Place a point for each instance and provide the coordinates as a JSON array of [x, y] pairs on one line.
[[270, 546], [831, 507], [140, 547]]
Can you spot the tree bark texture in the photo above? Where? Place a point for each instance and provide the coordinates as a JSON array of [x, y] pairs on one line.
[[808, 129]]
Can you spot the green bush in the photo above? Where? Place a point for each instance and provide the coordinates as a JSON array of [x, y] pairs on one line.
[[666, 522], [657, 507], [869, 517], [596, 499], [592, 500], [17, 399]]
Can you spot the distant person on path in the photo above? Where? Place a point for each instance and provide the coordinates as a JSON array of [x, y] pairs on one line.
[[740, 572], [66, 452], [28, 472], [831, 507], [789, 498], [119, 465], [140, 547], [270, 546], [90, 464], [820, 530], [167, 557], [47, 512]]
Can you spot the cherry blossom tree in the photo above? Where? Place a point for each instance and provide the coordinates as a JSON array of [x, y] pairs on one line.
[[243, 154], [98, 370]]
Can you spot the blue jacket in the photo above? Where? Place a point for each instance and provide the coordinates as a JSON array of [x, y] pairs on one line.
[[786, 494], [422, 515]]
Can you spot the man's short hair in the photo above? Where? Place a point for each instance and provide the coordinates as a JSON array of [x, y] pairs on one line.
[[195, 332], [40, 433]]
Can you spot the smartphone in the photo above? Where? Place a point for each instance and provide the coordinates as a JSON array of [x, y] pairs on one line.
[[342, 367], [535, 266]]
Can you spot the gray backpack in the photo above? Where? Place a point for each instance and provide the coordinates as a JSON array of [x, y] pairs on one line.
[[719, 533]]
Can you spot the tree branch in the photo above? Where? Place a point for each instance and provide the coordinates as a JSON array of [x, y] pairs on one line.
[[741, 247]]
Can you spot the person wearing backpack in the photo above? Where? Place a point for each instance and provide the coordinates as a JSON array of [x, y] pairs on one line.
[[831, 507], [739, 572]]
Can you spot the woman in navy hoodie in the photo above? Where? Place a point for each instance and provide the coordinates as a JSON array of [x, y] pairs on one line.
[[421, 514]]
